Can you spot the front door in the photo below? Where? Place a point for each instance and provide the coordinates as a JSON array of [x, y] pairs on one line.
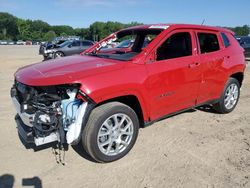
[[74, 48], [175, 75]]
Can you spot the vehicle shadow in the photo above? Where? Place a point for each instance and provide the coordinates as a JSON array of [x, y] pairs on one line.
[[173, 115], [81, 151], [207, 108], [7, 181]]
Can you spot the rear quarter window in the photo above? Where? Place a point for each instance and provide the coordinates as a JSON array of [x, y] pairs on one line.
[[208, 42], [225, 40]]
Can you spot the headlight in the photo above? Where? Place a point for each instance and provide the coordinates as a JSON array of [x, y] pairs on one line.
[[49, 51]]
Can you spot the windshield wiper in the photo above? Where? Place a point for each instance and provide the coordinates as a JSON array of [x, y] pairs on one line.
[[99, 55]]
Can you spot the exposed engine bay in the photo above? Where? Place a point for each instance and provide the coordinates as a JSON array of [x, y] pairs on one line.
[[49, 114]]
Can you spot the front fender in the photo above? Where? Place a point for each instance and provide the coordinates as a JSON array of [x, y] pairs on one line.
[[102, 97], [129, 80]]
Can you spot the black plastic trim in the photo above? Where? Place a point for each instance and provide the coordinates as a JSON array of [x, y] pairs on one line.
[[86, 97], [89, 109], [148, 123], [24, 131]]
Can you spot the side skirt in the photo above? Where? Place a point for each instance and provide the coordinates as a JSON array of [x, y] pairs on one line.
[[210, 102]]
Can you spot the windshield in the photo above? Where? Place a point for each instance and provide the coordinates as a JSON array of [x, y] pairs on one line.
[[125, 44]]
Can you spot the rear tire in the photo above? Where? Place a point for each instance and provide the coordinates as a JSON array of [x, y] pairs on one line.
[[110, 132], [229, 97]]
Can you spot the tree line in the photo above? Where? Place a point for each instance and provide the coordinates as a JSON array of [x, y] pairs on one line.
[[13, 28]]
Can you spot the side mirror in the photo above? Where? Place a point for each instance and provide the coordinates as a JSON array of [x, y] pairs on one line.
[[69, 46]]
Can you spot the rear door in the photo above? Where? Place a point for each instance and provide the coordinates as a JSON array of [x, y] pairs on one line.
[[85, 45], [212, 60], [174, 76]]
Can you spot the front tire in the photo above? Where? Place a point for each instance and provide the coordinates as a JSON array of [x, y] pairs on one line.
[[229, 97], [110, 132], [58, 55]]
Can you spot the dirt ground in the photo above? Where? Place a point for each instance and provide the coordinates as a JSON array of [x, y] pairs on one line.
[[193, 149]]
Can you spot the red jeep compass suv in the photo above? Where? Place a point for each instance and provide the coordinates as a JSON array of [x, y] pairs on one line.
[[102, 99]]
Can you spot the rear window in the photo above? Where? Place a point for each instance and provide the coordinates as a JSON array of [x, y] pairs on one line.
[[225, 40], [208, 42], [87, 43]]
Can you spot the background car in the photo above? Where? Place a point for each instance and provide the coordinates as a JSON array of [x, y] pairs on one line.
[[3, 42], [28, 42], [20, 42], [245, 43], [55, 43], [122, 47], [35, 43], [68, 48], [10, 42]]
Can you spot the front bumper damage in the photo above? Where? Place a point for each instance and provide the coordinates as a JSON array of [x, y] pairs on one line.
[[49, 55], [70, 114]]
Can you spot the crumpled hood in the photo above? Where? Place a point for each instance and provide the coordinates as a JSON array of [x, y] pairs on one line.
[[65, 70]]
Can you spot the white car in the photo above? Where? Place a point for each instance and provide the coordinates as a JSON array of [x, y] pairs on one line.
[[11, 43], [3, 42], [20, 42]]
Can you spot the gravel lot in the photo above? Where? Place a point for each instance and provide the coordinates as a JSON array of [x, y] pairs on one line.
[[198, 148]]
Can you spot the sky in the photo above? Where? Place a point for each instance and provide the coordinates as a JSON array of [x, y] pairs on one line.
[[81, 13]]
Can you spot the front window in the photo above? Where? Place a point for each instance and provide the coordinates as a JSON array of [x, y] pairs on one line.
[[65, 44], [177, 45], [134, 39]]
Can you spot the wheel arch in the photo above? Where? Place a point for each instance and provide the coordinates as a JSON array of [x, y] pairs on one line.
[[238, 76], [130, 100]]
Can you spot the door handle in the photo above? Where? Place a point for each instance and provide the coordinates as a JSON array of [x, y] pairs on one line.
[[193, 65]]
